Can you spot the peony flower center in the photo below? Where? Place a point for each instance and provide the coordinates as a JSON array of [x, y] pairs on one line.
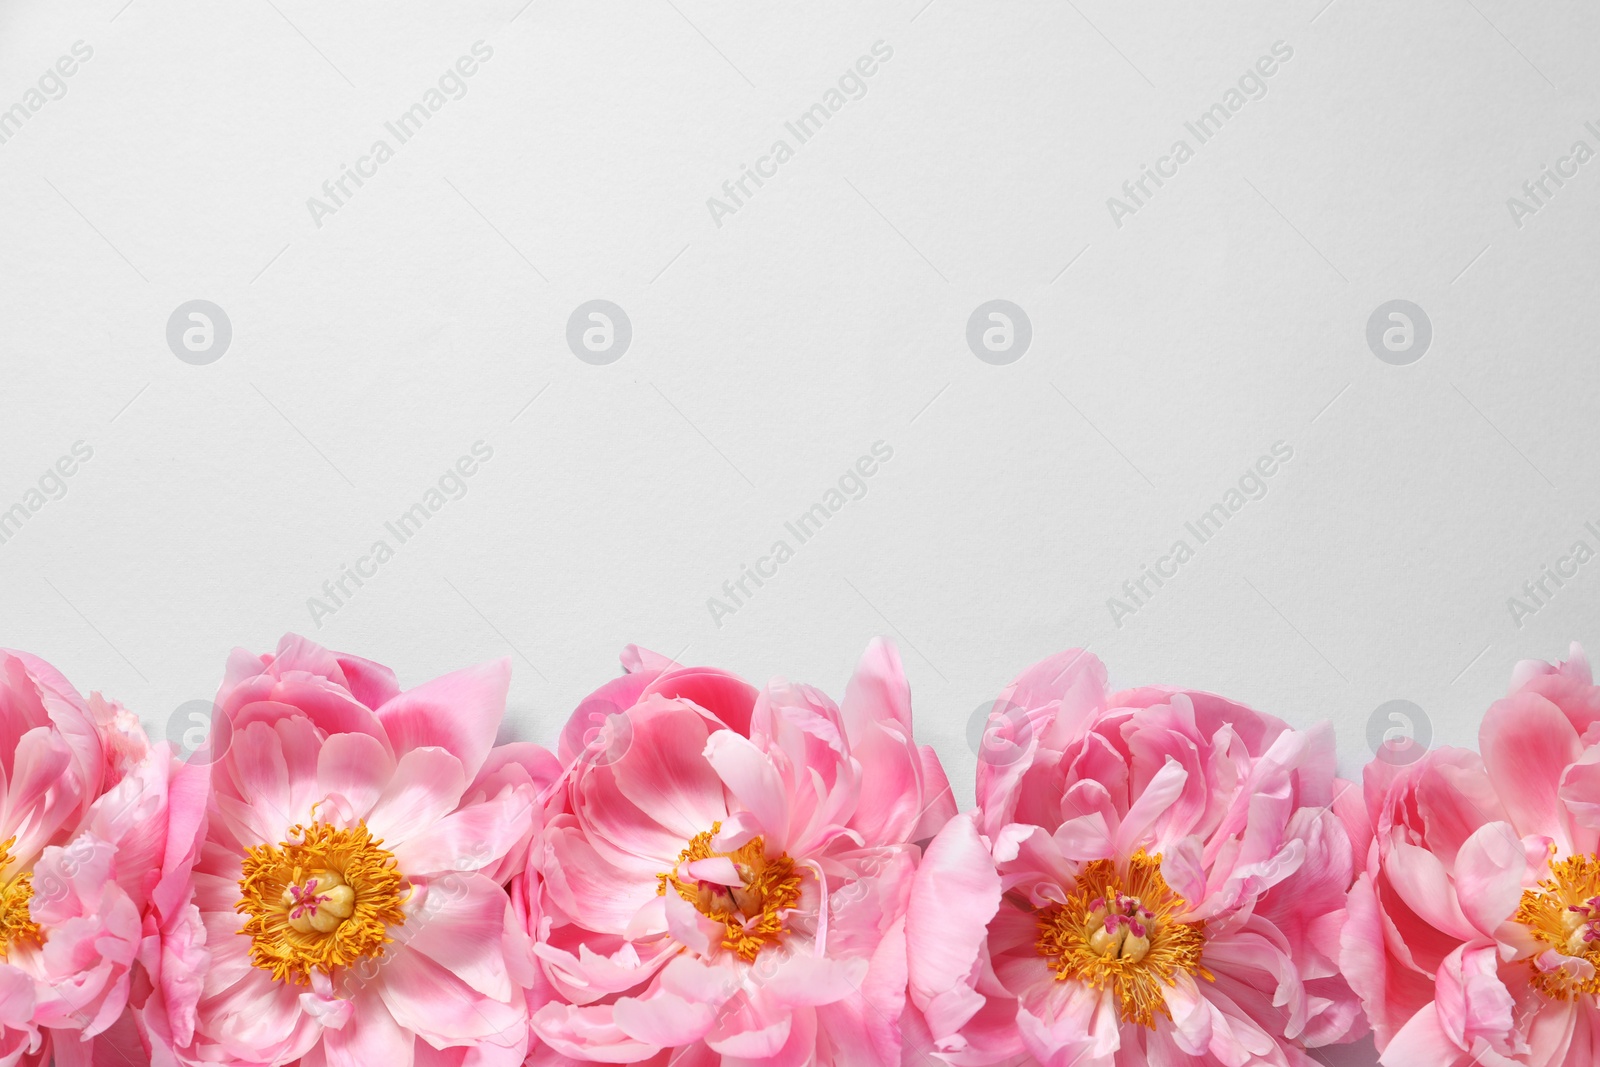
[[324, 899], [1117, 930], [752, 913], [16, 893], [1563, 913]]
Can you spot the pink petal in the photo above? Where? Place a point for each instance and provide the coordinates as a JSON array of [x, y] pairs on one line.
[[460, 712], [589, 1034], [939, 800], [426, 786], [258, 1019], [460, 925], [1423, 1041], [428, 1000], [370, 1037], [355, 767], [601, 897], [663, 1019], [800, 980], [1527, 743], [752, 1029], [1422, 882], [878, 691], [727, 697], [1139, 824], [1489, 874], [1473, 1005], [660, 793], [470, 839], [754, 781], [955, 892]]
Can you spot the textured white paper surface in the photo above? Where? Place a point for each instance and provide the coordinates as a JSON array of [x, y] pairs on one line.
[[781, 331]]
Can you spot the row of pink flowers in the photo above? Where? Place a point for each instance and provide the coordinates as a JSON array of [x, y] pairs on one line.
[[707, 873]]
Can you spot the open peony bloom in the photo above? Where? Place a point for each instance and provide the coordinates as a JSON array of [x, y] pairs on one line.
[[332, 891], [1474, 933], [82, 824], [1155, 876], [726, 880]]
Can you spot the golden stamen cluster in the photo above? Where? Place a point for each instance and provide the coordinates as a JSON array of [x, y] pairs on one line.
[[1563, 913], [1117, 930], [324, 899], [16, 922], [752, 915]]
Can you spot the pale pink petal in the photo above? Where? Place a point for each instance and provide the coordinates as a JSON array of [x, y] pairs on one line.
[[955, 892], [471, 839], [589, 1034], [459, 924], [1423, 1041], [754, 781], [799, 980], [664, 1019], [1138, 825], [369, 1038], [428, 1000], [1473, 1004], [426, 786], [460, 712], [585, 885], [938, 799], [1527, 743], [1489, 875], [355, 767]]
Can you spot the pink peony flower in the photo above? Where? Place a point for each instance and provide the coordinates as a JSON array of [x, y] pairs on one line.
[[333, 890], [1155, 876], [82, 821], [726, 878], [1474, 932]]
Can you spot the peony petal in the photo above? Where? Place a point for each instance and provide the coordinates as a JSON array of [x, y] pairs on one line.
[[1527, 743], [460, 712], [660, 793], [460, 925], [1489, 874], [428, 1000], [754, 781], [355, 767], [427, 785], [663, 1019], [369, 1037], [1139, 824], [1423, 1041], [471, 839], [954, 894]]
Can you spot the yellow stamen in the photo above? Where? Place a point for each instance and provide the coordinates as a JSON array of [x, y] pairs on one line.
[[1117, 930], [752, 915], [1563, 913], [16, 921], [325, 899]]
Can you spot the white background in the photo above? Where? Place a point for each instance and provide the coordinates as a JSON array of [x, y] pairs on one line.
[[827, 313]]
